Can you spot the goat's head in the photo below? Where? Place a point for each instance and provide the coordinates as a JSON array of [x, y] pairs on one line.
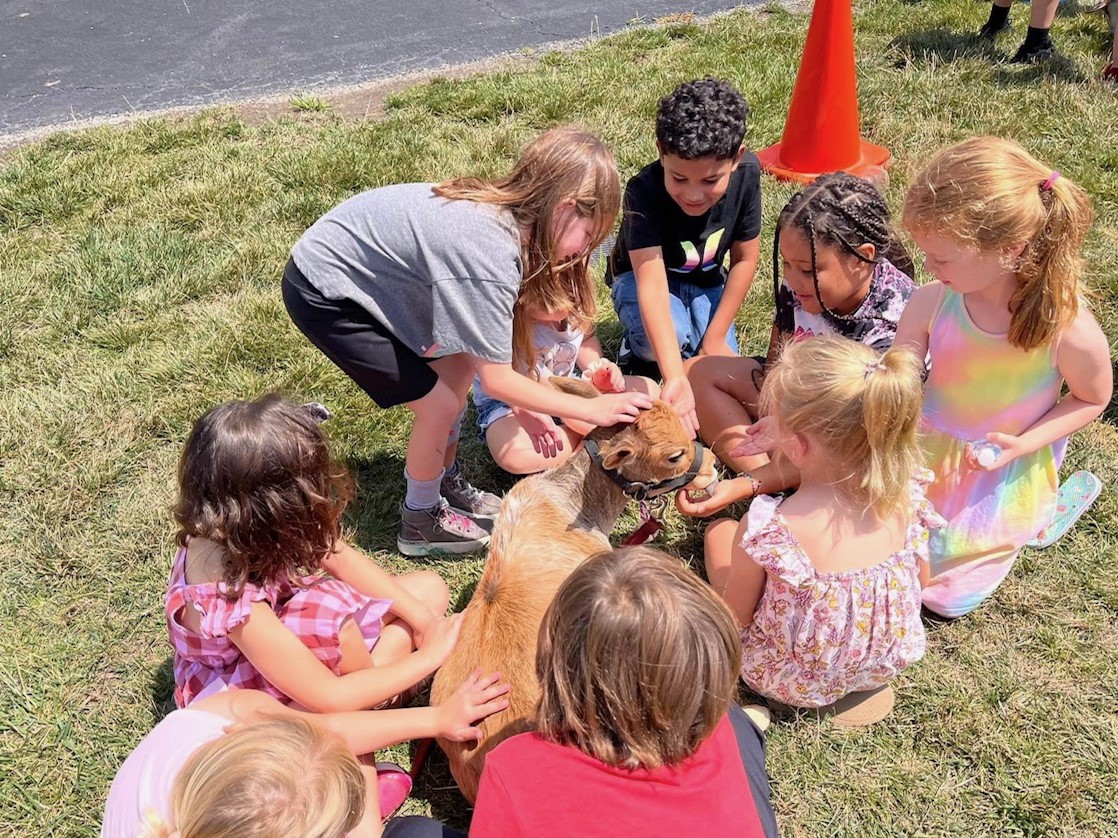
[[655, 449]]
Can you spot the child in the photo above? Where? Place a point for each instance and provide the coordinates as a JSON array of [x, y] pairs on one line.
[[1037, 45], [522, 441], [637, 662], [260, 505], [685, 214], [241, 764], [1005, 331], [410, 290], [826, 584], [845, 273]]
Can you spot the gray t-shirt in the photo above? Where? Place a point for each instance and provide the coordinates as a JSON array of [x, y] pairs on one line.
[[441, 275]]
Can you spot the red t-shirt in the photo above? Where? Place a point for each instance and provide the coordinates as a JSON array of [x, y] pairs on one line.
[[531, 787]]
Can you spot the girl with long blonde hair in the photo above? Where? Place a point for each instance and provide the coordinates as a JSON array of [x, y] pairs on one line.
[[1017, 362], [412, 289], [826, 584]]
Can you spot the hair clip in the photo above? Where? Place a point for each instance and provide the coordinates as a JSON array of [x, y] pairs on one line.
[[318, 411], [874, 366], [1051, 179]]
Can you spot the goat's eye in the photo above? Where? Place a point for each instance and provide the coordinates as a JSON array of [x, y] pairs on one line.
[[677, 456]]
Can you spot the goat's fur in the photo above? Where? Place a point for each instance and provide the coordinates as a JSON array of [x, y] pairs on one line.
[[549, 524]]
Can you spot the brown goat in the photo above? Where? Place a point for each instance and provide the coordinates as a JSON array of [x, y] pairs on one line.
[[549, 524]]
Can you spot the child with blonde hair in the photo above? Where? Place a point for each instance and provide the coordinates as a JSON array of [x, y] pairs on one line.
[[1016, 361], [411, 290], [637, 724], [239, 764], [826, 584], [838, 269], [264, 594]]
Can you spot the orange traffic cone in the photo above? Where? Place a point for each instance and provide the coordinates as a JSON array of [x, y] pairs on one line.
[[822, 133]]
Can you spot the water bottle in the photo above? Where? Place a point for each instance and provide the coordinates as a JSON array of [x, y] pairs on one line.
[[986, 452]]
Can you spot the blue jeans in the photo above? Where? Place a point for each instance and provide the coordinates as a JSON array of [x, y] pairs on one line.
[[692, 306]]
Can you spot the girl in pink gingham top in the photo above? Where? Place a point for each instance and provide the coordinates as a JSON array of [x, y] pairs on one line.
[[265, 595], [826, 584]]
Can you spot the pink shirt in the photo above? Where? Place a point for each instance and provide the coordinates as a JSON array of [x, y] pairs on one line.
[[143, 783]]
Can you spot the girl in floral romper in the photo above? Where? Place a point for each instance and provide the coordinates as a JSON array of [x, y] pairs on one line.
[[826, 584]]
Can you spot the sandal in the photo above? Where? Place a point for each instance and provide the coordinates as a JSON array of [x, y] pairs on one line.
[[393, 787], [1075, 497]]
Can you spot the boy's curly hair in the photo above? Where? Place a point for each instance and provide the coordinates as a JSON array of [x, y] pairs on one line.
[[257, 478], [702, 118]]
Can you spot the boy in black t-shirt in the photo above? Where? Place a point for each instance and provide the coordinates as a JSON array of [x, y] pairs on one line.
[[688, 246]]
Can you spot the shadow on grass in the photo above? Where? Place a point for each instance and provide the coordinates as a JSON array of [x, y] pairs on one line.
[[942, 46], [162, 688]]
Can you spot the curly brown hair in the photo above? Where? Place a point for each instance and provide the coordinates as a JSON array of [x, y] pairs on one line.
[[257, 478]]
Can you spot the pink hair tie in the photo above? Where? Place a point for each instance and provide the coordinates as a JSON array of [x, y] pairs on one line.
[[1052, 178]]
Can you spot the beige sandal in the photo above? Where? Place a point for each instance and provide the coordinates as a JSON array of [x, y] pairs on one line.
[[858, 709]]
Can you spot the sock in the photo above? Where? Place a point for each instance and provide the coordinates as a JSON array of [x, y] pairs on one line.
[[422, 494], [1036, 37], [998, 16]]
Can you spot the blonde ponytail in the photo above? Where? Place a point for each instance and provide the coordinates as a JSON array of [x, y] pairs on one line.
[[994, 196], [863, 408]]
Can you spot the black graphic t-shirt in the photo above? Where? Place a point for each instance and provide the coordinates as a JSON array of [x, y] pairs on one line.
[[695, 247]]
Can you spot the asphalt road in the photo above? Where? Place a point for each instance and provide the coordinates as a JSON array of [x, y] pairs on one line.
[[83, 59]]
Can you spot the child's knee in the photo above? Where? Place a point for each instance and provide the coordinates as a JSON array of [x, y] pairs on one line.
[[718, 542], [432, 590]]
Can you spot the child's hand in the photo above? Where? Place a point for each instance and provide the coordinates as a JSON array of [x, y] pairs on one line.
[[606, 376], [439, 639], [725, 493], [615, 408], [677, 392], [1011, 449], [541, 428], [762, 439], [478, 698]]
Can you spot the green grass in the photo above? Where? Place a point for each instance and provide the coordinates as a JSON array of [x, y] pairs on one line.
[[310, 102], [139, 269]]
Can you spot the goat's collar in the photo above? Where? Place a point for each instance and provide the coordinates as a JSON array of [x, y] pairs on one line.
[[643, 491]]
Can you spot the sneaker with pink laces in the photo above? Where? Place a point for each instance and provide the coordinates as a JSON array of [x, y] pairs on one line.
[[441, 529]]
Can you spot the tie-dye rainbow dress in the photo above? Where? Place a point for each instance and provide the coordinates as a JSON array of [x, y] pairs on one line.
[[980, 383]]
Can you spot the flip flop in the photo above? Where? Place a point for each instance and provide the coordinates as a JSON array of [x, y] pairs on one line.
[[1075, 497], [393, 787], [859, 709]]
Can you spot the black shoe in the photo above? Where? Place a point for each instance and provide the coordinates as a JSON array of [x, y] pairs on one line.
[[1034, 53], [630, 364], [990, 31]]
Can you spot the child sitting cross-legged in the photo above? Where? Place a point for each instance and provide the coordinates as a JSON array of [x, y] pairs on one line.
[[559, 335], [826, 585], [265, 595]]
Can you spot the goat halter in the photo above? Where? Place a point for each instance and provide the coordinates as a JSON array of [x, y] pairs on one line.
[[643, 491]]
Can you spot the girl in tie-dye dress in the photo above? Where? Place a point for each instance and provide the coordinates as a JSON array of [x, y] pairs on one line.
[[1004, 331]]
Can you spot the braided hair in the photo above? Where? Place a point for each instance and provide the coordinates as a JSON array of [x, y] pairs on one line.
[[841, 210]]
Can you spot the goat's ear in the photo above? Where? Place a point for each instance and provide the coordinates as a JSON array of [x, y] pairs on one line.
[[615, 452], [574, 387]]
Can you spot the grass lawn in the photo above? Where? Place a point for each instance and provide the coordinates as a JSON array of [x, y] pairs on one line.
[[139, 269]]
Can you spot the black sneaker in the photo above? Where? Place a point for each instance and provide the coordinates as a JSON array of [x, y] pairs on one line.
[[1034, 53], [464, 497], [990, 31], [428, 532], [630, 364]]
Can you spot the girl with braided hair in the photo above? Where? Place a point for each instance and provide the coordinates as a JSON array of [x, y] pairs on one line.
[[838, 269]]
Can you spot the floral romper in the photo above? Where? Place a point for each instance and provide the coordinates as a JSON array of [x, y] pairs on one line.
[[312, 607], [815, 637]]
